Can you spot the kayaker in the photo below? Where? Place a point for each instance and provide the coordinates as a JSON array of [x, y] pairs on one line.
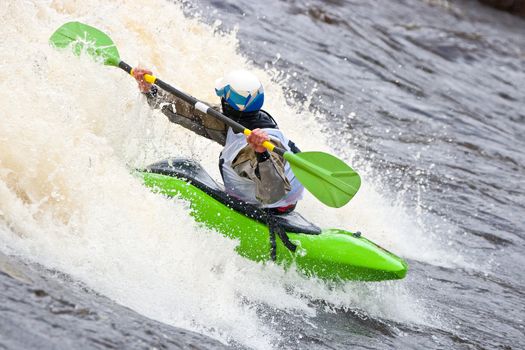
[[248, 170]]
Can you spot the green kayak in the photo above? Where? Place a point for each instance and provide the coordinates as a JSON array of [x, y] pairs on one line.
[[330, 254]]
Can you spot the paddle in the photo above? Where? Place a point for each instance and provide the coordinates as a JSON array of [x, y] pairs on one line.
[[328, 178]]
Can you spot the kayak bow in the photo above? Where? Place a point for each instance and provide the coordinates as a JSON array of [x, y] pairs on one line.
[[330, 254]]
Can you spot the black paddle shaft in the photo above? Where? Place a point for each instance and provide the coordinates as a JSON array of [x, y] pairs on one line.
[[198, 105]]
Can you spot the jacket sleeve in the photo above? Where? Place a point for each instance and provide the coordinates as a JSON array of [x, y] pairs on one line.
[[266, 170], [184, 114]]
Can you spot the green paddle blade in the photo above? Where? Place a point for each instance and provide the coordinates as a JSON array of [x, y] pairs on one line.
[[81, 37], [328, 178]]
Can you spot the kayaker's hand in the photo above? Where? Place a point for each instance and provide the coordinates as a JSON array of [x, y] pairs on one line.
[[138, 74], [256, 138]]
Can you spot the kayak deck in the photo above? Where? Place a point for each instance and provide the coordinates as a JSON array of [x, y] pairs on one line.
[[331, 254]]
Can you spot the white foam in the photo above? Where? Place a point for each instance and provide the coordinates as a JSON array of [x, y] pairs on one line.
[[71, 130]]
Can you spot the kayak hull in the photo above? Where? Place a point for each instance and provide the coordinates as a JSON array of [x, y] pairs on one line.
[[333, 254]]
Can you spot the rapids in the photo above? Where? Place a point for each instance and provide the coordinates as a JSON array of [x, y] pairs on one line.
[[72, 131]]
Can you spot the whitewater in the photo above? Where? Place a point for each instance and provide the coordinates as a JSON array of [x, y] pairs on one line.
[[72, 131]]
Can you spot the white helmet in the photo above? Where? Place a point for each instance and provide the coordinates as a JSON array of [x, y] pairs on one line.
[[241, 90]]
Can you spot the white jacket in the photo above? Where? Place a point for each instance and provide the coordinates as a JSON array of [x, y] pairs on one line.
[[239, 183]]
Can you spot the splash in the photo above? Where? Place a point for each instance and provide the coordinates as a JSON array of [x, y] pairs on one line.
[[72, 129]]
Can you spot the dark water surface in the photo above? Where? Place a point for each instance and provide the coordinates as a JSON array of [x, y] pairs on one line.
[[433, 92], [43, 309]]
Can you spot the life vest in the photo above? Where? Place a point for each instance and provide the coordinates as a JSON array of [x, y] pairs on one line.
[[244, 188]]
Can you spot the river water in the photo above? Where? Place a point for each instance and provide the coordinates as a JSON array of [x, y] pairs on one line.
[[423, 98]]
